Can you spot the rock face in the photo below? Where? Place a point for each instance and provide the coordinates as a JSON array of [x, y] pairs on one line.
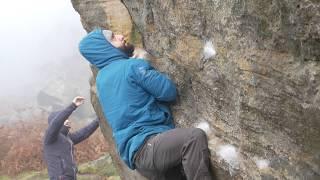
[[248, 72]]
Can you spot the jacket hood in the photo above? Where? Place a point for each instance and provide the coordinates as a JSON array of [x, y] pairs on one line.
[[99, 51]]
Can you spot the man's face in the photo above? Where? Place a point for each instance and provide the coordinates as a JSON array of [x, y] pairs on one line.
[[67, 123], [118, 41]]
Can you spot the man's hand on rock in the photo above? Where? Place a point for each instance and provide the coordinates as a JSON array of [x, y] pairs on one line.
[[140, 53]]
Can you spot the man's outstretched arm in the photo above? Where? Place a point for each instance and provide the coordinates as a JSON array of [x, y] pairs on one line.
[[59, 119], [84, 132]]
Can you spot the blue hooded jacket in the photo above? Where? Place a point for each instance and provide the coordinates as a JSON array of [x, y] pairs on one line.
[[131, 93]]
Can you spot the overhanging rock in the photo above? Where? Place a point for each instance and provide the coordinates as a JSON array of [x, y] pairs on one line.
[[248, 72]]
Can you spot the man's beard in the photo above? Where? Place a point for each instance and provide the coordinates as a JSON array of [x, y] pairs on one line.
[[128, 49]]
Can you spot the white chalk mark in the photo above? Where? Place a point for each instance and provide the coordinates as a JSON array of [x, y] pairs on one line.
[[204, 125], [209, 50], [262, 163], [229, 154]]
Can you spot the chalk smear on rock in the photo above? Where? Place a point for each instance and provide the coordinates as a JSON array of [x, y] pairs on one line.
[[262, 163], [204, 125], [230, 155], [209, 50]]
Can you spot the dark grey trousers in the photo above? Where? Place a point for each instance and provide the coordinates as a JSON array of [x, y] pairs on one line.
[[180, 153]]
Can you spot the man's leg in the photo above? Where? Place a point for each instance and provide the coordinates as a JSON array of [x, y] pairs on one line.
[[144, 161], [181, 145]]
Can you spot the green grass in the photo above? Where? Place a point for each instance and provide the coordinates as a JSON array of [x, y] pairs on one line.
[[4, 177], [101, 168], [33, 175]]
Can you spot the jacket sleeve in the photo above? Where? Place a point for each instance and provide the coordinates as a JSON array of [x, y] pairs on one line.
[[154, 82], [84, 132], [56, 124]]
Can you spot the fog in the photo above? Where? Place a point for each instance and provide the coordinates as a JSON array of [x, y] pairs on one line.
[[38, 49]]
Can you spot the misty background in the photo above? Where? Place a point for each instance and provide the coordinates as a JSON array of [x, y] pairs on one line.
[[41, 69]]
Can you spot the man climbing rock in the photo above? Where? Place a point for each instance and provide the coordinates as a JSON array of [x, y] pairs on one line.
[[133, 96], [58, 142]]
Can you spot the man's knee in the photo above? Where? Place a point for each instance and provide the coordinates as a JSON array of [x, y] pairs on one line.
[[199, 134]]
